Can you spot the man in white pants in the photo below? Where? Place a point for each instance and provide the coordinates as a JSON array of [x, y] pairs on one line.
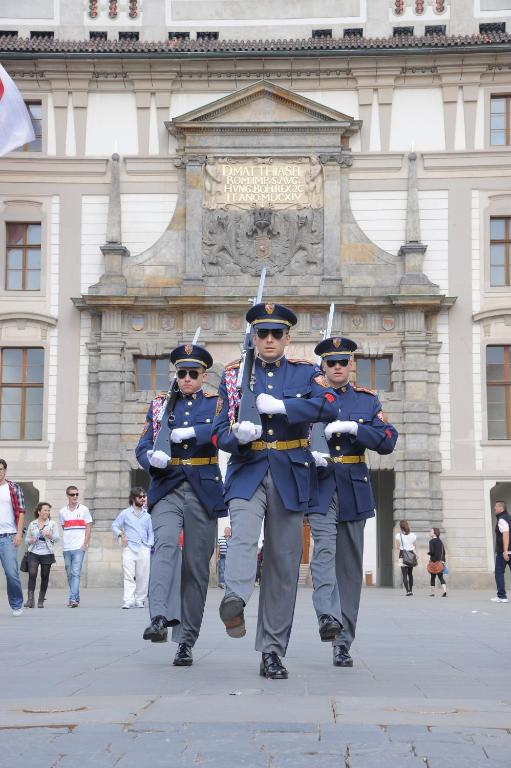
[[134, 529]]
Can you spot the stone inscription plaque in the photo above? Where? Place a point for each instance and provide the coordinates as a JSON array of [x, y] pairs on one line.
[[263, 183]]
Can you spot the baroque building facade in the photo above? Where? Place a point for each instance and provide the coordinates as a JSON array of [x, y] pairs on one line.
[[363, 158]]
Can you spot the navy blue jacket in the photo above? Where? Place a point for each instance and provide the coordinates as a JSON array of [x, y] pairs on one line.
[[307, 399], [196, 411], [352, 481]]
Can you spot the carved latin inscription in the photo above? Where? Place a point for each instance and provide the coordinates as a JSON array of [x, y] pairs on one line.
[[263, 182]]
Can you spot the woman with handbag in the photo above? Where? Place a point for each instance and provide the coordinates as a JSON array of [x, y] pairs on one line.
[[405, 543], [436, 563], [41, 535]]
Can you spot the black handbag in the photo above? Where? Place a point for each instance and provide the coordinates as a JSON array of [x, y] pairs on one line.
[[24, 562], [408, 556]]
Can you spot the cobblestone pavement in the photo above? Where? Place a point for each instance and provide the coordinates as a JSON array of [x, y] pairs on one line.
[[430, 687]]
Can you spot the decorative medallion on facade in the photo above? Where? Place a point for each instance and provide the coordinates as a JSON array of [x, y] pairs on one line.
[[388, 323], [399, 7], [112, 9]]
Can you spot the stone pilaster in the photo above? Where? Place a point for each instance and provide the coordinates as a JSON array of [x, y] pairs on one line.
[[332, 164], [194, 165]]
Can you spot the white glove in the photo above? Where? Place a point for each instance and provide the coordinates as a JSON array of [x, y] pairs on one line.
[[182, 433], [246, 432], [320, 459], [158, 459], [269, 404], [345, 427]]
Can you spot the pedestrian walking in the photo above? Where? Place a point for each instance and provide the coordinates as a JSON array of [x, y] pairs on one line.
[[76, 522], [185, 495], [42, 533], [346, 498], [134, 530], [405, 543], [270, 476], [436, 565], [221, 553], [503, 550], [12, 518]]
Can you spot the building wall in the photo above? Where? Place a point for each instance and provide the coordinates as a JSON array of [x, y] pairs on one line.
[[242, 19], [460, 186]]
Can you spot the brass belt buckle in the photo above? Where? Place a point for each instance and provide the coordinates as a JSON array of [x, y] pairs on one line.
[[186, 461], [272, 445]]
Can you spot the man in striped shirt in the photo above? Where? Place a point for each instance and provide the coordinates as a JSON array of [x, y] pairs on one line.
[[76, 522], [222, 551]]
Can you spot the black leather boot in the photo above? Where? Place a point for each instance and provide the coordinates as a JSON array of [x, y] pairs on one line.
[[41, 598], [272, 668], [157, 631], [183, 657], [30, 600], [342, 656]]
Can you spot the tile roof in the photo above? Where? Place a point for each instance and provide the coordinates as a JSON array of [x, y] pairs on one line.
[[14, 47]]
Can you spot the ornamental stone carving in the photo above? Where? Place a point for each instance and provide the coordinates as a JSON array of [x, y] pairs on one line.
[[239, 242]]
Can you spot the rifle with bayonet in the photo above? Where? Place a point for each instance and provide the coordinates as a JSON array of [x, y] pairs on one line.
[[166, 419], [248, 409], [318, 441]]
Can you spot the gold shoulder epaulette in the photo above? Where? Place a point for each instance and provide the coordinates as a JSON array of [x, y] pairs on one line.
[[363, 389], [298, 360], [234, 364]]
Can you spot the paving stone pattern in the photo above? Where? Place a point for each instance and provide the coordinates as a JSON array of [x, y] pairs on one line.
[[430, 688]]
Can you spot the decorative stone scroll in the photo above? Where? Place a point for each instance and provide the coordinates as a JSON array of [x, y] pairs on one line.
[[278, 183]]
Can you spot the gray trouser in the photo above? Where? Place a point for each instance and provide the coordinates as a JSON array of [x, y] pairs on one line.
[[336, 568], [283, 541], [178, 582]]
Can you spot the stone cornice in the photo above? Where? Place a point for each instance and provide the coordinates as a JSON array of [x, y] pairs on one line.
[[491, 314], [180, 303], [30, 317]]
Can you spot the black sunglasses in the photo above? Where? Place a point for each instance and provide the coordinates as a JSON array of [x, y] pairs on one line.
[[72, 494], [277, 333], [332, 363], [141, 496], [184, 372]]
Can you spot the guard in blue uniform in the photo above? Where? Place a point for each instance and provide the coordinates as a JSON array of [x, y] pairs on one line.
[[270, 477], [346, 498], [185, 494]]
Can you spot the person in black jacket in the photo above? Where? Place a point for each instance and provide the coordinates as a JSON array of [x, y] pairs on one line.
[[437, 555]]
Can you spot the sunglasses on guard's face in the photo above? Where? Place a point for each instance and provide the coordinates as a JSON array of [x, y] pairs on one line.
[[184, 372], [333, 363], [263, 333]]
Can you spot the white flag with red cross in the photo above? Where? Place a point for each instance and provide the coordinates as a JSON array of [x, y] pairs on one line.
[[16, 126]]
